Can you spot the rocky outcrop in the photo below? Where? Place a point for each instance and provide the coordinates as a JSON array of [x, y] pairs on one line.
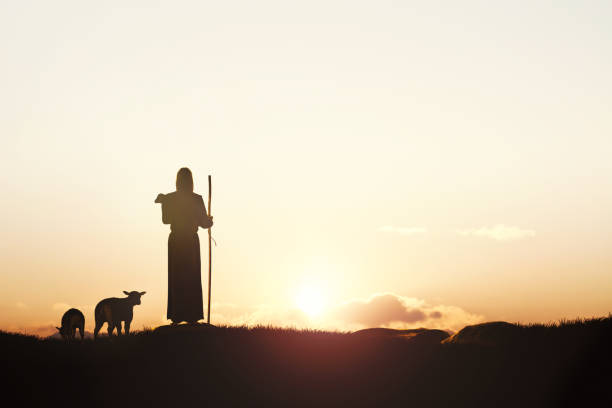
[[416, 336], [185, 328], [488, 334]]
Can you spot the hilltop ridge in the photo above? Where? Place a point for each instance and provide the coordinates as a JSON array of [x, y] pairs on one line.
[[548, 366]]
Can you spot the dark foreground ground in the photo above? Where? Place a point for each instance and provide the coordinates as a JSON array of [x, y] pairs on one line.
[[536, 366]]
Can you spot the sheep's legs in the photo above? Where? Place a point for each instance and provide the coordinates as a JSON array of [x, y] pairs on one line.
[[126, 327], [118, 326], [97, 329]]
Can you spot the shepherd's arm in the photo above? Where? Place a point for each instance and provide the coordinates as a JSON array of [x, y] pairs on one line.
[[166, 218], [165, 210], [204, 221]]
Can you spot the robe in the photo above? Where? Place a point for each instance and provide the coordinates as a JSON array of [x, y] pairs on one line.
[[185, 212]]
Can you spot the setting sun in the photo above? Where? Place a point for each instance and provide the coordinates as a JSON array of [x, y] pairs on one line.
[[310, 300]]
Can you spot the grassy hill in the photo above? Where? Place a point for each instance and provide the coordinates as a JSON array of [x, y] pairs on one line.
[[493, 365]]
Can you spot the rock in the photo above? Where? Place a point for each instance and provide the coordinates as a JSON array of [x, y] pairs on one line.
[[416, 336], [430, 337], [488, 334], [382, 331], [185, 328]]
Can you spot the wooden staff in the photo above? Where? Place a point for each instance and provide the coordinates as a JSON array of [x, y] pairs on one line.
[[209, 248]]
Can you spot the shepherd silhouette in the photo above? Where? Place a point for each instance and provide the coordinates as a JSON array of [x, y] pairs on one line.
[[185, 211]]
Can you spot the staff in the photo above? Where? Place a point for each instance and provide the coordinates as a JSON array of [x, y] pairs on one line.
[[209, 249]]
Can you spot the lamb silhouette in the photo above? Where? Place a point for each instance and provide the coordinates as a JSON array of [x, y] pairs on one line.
[[116, 310], [72, 320]]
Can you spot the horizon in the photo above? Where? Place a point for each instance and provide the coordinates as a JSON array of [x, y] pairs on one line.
[[414, 165]]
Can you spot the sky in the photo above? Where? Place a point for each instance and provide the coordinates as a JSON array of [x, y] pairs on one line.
[[374, 163]]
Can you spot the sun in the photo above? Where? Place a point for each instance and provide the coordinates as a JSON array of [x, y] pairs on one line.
[[310, 300]]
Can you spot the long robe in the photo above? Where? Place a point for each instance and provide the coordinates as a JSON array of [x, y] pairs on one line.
[[185, 212]]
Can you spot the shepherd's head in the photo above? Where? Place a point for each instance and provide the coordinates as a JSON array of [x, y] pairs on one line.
[[184, 180]]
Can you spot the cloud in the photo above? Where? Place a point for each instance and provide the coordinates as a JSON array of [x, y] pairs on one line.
[[379, 310], [436, 314], [405, 231], [499, 232], [21, 305], [400, 312]]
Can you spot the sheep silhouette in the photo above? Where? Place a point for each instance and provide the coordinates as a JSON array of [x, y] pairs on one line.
[[72, 320], [116, 310]]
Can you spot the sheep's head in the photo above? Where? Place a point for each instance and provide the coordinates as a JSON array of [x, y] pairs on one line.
[[63, 331], [134, 296]]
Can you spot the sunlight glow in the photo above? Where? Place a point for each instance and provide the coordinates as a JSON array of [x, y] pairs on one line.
[[310, 300]]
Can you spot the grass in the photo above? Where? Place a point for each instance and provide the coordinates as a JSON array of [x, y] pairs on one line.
[[555, 364]]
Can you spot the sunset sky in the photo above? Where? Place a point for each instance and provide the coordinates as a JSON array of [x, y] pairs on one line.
[[374, 163]]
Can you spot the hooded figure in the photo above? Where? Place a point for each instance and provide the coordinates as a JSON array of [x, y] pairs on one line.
[[185, 211]]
